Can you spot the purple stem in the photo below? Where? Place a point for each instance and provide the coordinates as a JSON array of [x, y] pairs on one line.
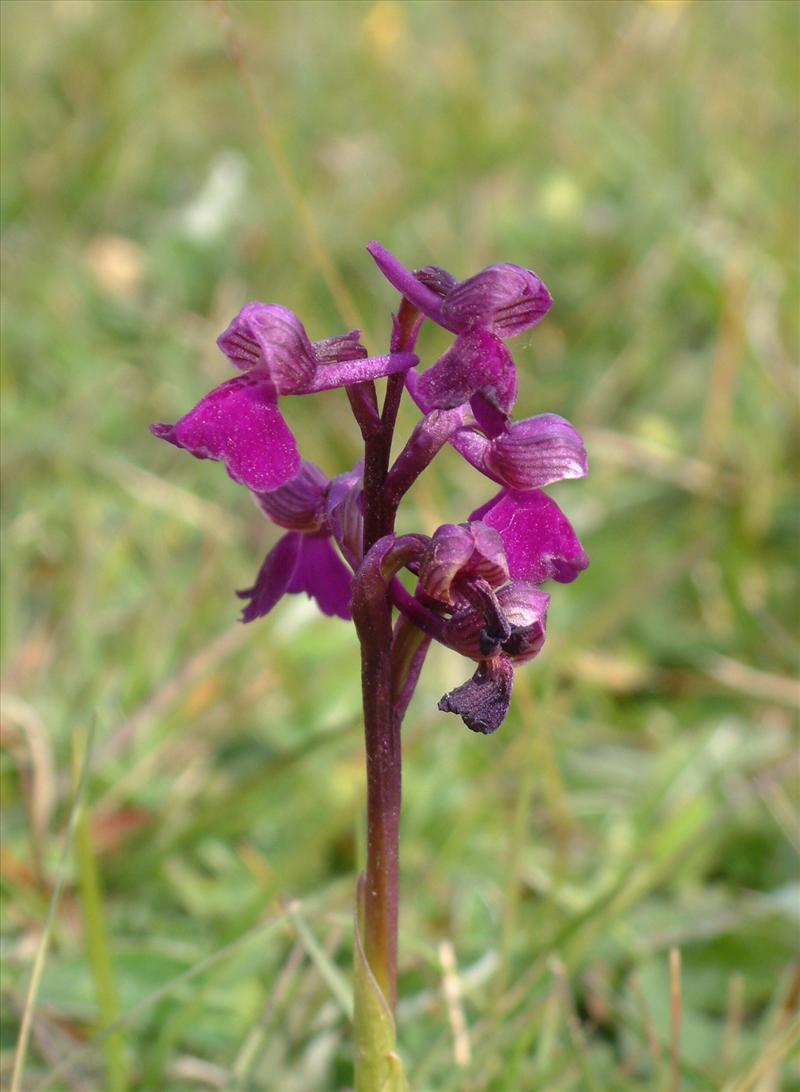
[[382, 737], [372, 613], [428, 438], [410, 607]]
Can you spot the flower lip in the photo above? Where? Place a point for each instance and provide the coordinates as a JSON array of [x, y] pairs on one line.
[[240, 425], [539, 540], [300, 563], [476, 362], [482, 702]]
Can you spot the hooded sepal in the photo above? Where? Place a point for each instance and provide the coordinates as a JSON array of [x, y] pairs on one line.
[[504, 298], [269, 336], [457, 554]]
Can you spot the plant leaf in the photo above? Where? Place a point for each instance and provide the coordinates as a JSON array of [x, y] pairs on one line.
[[378, 1065]]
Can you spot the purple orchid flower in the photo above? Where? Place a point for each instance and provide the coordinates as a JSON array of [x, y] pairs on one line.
[[477, 584], [239, 423], [498, 303], [309, 506], [464, 600]]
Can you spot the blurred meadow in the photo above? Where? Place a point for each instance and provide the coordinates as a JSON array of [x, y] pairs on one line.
[[605, 894]]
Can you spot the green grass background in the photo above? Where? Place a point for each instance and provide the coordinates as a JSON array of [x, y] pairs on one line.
[[641, 796]]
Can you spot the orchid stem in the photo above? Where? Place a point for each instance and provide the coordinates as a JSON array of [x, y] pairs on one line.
[[381, 722], [382, 734]]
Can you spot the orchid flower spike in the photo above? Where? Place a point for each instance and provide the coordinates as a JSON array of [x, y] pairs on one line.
[[477, 587]]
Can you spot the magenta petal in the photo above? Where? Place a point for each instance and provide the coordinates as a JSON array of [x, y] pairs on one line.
[[482, 702], [475, 362], [273, 578], [240, 425], [358, 370], [322, 575], [165, 432], [539, 540]]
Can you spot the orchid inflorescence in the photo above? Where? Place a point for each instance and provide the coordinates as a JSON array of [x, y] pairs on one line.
[[477, 583]]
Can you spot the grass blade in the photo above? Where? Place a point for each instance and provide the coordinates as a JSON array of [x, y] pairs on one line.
[[41, 952]]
